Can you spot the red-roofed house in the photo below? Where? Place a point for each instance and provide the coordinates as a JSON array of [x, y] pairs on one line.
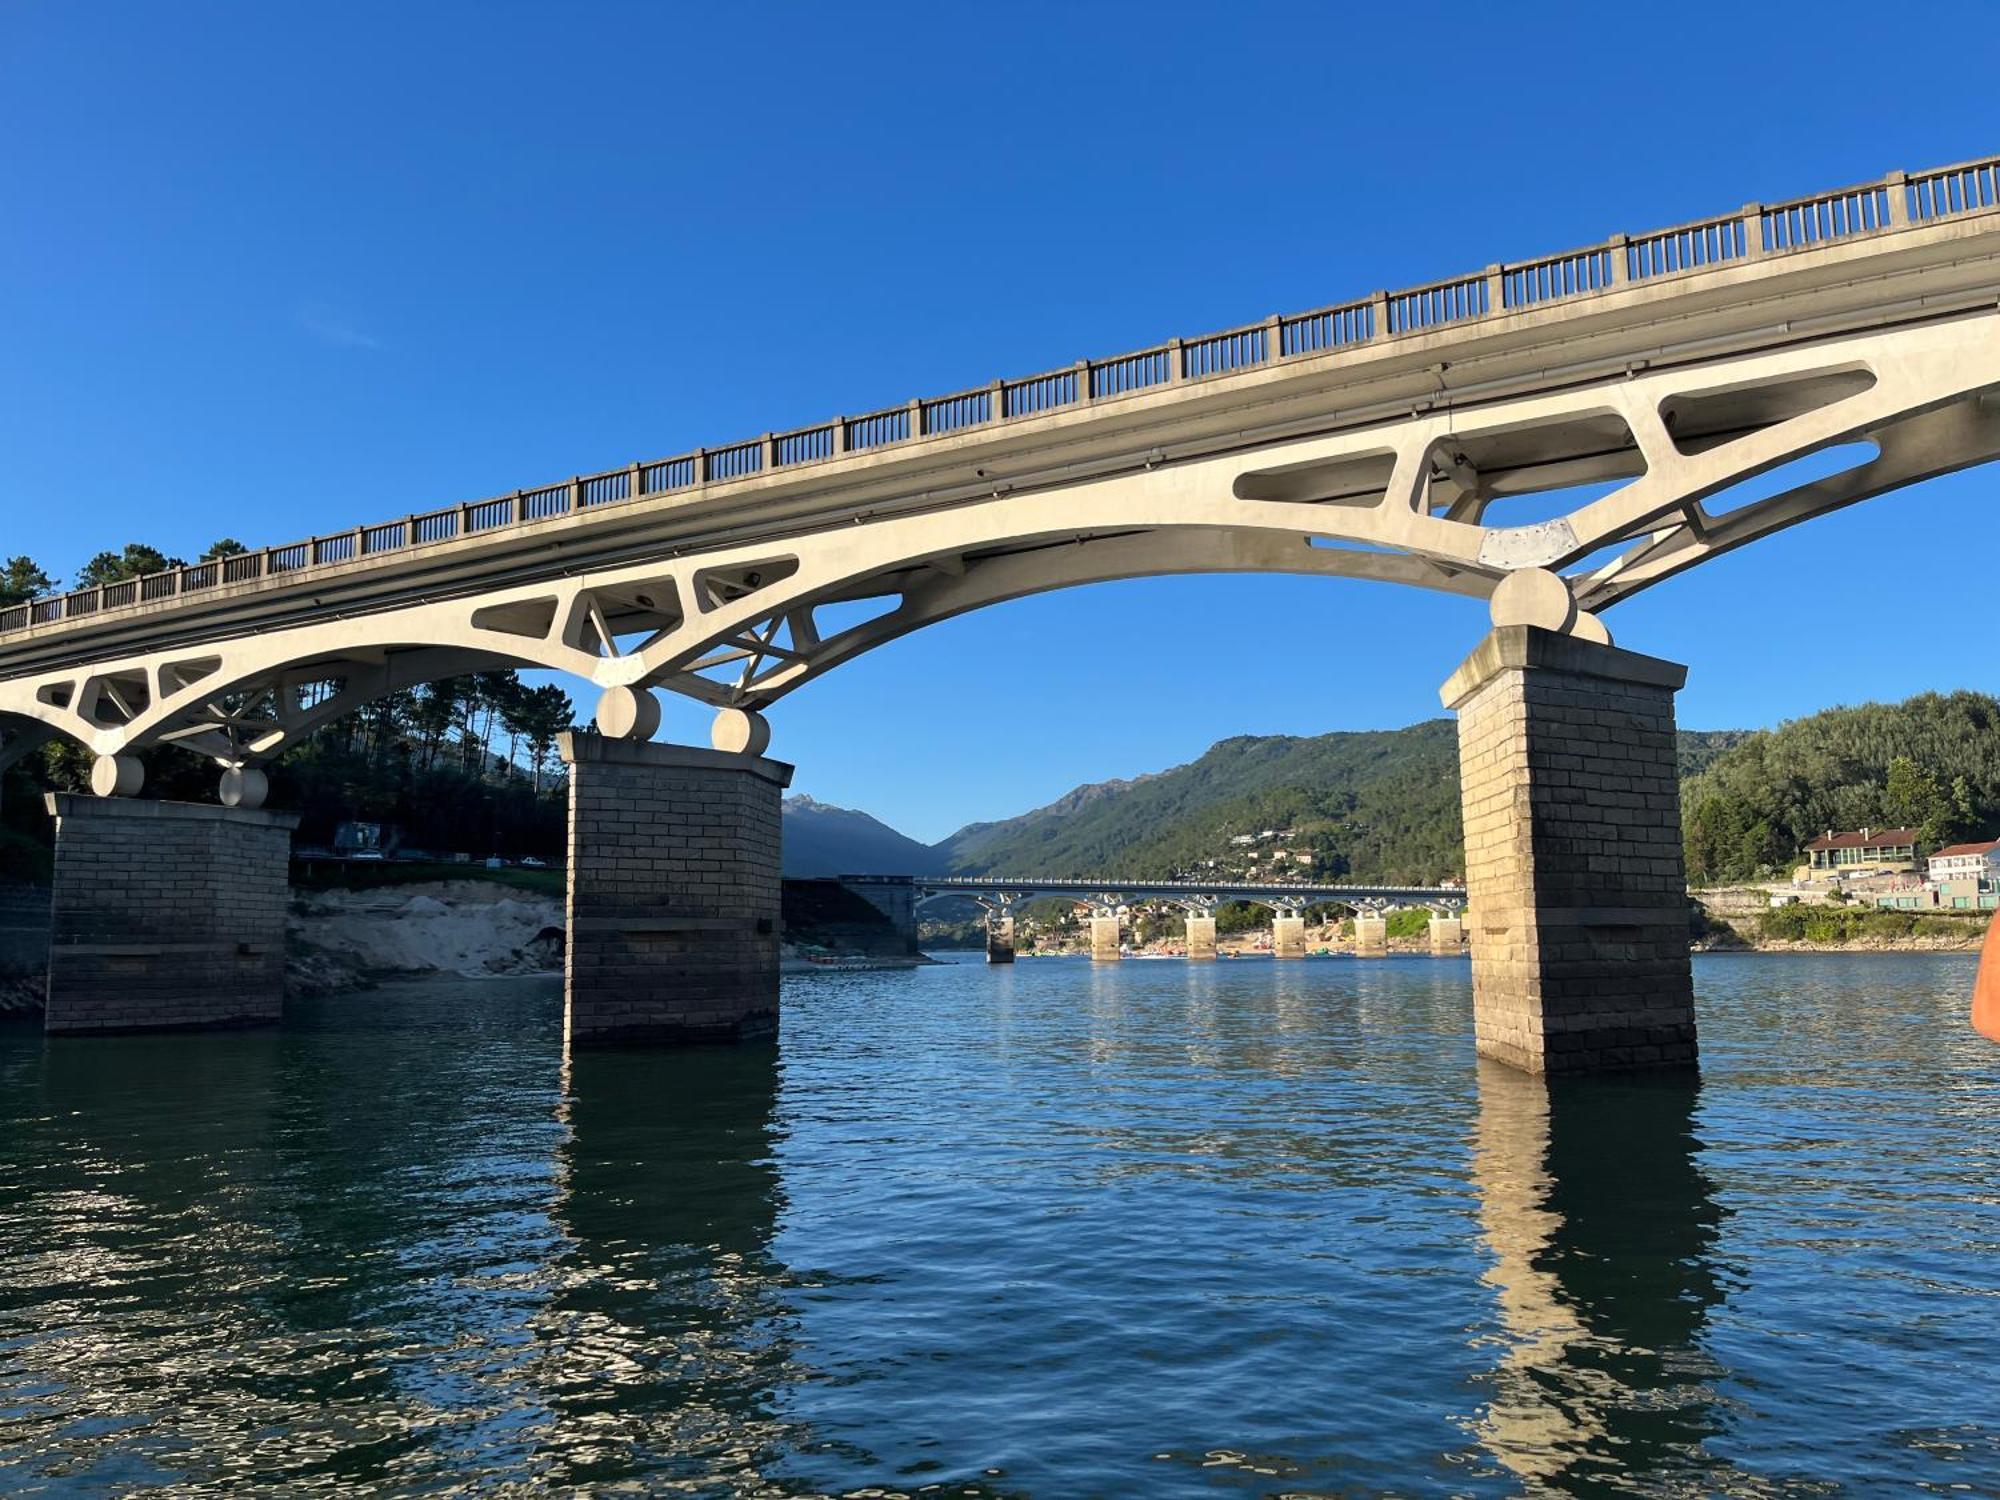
[[1868, 851], [1967, 862]]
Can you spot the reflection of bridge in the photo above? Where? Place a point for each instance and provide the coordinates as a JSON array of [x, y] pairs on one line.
[[1654, 391], [900, 895]]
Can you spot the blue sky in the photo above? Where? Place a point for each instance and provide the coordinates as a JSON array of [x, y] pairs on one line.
[[271, 270]]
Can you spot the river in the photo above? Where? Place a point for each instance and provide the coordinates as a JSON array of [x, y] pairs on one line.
[[1247, 1228]]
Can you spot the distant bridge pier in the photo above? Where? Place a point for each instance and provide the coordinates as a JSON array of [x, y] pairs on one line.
[[1574, 868], [1447, 934], [166, 915], [674, 893], [1104, 934], [1371, 932], [1288, 932], [1201, 932], [1000, 937]]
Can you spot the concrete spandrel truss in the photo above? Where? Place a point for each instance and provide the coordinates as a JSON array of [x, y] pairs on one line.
[[1456, 497]]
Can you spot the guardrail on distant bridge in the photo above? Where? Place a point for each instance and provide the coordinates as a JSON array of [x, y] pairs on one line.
[[1756, 231]]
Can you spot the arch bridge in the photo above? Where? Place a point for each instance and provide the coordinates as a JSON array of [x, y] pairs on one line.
[[1551, 435]]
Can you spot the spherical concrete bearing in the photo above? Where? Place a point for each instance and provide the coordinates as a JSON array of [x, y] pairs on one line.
[[628, 713], [245, 787], [1533, 596], [739, 731], [117, 776]]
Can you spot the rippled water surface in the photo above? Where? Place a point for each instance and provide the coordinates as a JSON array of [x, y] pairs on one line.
[[1058, 1230]]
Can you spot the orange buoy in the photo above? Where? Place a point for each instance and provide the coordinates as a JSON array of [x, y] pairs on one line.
[[1986, 988]]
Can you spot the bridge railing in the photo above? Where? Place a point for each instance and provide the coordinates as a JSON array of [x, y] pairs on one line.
[[1897, 201]]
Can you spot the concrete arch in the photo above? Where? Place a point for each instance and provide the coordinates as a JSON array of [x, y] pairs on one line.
[[1689, 436], [1400, 499]]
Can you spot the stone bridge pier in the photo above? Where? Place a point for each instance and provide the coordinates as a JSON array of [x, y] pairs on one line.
[[1000, 938], [1575, 879], [1105, 934], [675, 893], [166, 915]]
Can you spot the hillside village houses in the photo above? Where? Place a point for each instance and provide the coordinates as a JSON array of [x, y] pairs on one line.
[[1967, 862], [1884, 865]]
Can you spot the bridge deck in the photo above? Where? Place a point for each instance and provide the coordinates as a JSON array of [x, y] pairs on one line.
[[1904, 248]]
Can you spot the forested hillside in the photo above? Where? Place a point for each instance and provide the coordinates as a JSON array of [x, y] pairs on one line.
[[1931, 762], [1384, 805], [1381, 804]]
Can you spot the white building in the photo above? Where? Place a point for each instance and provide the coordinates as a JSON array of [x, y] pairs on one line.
[[1967, 862]]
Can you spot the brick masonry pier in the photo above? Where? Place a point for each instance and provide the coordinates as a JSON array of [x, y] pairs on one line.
[[675, 893], [166, 915], [1575, 882]]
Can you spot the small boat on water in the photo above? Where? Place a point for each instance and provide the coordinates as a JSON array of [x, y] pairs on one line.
[[1986, 988]]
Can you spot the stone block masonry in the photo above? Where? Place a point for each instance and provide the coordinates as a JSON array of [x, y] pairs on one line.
[[1288, 937], [166, 915], [1201, 937], [675, 893], [1106, 939], [1576, 889]]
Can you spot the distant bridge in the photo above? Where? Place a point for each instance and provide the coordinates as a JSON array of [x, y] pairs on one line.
[[1291, 897], [899, 896]]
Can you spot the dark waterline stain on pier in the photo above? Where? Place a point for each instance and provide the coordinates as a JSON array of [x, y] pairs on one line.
[[1058, 1230]]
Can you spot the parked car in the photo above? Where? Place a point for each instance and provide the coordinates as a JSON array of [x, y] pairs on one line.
[[531, 863]]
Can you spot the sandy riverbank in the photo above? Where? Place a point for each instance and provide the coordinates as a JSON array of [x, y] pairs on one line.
[[342, 940]]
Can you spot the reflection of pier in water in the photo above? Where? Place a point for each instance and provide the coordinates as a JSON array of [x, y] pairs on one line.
[[1602, 1226], [665, 1344]]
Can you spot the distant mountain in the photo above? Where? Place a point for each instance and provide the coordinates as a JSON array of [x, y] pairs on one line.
[[1379, 804], [1374, 805], [1383, 804], [825, 840]]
